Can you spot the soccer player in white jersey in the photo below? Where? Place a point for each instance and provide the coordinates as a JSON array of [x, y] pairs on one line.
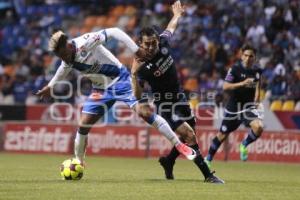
[[111, 82]]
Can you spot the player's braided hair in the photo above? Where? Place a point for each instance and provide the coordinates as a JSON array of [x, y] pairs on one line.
[[58, 39]]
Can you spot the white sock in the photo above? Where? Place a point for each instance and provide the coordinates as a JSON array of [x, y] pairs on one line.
[[164, 128], [79, 146]]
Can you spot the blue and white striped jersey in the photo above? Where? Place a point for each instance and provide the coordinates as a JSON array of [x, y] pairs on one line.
[[93, 60]]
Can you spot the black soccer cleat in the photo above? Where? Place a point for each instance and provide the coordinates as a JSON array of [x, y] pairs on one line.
[[168, 167], [214, 179]]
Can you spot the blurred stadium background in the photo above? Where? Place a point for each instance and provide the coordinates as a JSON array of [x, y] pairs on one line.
[[205, 45]]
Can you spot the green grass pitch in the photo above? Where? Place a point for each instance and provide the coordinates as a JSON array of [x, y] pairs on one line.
[[37, 177]]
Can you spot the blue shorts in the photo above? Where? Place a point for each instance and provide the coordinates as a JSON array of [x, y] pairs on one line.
[[100, 101]]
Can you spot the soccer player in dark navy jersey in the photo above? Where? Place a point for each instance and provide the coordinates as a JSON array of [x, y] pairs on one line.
[[159, 72], [243, 84]]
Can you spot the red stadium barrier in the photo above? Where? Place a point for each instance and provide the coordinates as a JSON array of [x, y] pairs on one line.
[[271, 146], [143, 142], [58, 112], [118, 141]]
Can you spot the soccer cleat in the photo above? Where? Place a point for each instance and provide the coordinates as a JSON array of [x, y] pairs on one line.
[[207, 162], [243, 152], [214, 179], [168, 167], [83, 163], [187, 151]]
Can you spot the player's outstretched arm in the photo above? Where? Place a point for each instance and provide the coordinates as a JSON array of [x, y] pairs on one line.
[[136, 87], [120, 35], [177, 10], [60, 74], [44, 93]]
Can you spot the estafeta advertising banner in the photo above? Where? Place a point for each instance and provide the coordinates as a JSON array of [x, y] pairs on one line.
[[135, 141], [37, 138]]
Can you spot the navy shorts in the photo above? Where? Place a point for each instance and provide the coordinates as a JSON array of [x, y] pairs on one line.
[[176, 113], [232, 121]]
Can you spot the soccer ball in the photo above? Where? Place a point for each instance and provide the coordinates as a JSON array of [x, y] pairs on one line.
[[71, 169]]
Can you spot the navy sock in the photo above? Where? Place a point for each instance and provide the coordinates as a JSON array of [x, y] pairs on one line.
[[250, 138], [195, 147], [215, 144], [199, 161], [151, 119], [174, 153]]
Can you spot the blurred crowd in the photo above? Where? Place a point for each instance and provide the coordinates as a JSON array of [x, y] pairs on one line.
[[205, 44]]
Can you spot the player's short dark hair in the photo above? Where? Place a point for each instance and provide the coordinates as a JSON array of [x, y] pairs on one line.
[[248, 47], [148, 31]]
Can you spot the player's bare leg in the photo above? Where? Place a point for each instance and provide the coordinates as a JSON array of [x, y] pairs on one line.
[[257, 127], [144, 111], [80, 142]]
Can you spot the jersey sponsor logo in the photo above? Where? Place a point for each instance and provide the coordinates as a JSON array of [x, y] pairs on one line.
[[149, 66], [96, 38], [224, 128], [157, 73], [83, 53], [164, 66], [164, 51]]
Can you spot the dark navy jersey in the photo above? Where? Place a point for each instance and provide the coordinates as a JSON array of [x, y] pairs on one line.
[[160, 72], [243, 97]]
